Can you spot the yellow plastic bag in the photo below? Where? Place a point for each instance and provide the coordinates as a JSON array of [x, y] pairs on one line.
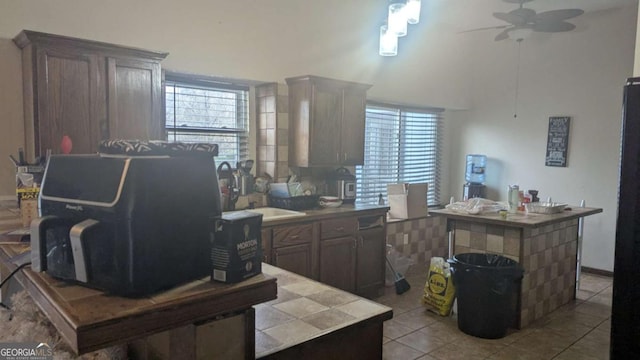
[[439, 291]]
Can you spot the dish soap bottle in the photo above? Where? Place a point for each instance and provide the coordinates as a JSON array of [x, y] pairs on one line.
[[380, 200]]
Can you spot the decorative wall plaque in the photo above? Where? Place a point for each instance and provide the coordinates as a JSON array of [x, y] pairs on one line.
[[558, 141]]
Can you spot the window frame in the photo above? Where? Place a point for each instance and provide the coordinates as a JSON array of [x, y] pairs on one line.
[[244, 141]]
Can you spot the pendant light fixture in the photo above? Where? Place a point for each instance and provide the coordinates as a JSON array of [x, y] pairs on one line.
[[413, 11], [398, 18], [388, 42], [399, 14]]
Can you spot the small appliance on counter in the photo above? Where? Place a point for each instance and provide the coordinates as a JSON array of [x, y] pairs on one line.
[[133, 220], [342, 184]]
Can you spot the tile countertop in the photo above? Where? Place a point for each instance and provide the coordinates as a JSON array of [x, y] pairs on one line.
[[305, 310], [521, 219], [319, 213]]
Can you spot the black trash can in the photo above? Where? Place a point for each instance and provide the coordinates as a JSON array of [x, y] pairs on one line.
[[487, 288]]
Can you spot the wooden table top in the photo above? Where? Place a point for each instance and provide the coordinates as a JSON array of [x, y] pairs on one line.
[[520, 219], [89, 319]]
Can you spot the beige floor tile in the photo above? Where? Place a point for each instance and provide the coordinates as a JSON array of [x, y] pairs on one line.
[[444, 330], [386, 339], [426, 357], [512, 353], [601, 298], [572, 354], [396, 351], [595, 344], [417, 318], [594, 309], [546, 343], [456, 352], [393, 330], [421, 341]]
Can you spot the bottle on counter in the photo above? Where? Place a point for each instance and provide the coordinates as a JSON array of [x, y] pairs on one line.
[[380, 200], [514, 198]]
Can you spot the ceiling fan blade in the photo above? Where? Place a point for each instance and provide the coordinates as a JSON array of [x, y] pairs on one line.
[[486, 28], [552, 26], [510, 18], [526, 14], [504, 34], [558, 15]]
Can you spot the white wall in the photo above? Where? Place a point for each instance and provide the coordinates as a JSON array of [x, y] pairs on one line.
[[579, 74]]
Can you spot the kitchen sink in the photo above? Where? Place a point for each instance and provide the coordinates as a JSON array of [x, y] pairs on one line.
[[271, 213]]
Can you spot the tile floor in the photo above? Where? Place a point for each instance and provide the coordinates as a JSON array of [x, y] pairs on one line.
[[578, 330]]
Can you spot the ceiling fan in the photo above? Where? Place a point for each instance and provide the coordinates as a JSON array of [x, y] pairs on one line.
[[525, 20]]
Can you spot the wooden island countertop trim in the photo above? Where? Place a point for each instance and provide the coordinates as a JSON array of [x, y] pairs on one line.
[[89, 319]]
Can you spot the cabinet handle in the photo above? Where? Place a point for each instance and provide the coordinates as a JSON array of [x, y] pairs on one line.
[[294, 237], [355, 243], [338, 157], [345, 156], [340, 228]]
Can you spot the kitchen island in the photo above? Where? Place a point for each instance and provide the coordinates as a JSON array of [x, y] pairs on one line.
[[190, 315], [545, 245]]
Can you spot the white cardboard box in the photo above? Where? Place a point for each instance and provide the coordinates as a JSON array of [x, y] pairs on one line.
[[407, 200]]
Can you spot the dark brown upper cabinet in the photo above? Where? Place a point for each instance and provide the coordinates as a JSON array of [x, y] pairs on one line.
[[326, 121], [88, 91]]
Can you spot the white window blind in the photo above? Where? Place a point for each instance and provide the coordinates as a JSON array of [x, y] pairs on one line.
[[200, 110], [402, 145]]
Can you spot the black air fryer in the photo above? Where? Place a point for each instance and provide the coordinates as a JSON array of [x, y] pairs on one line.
[[131, 221]]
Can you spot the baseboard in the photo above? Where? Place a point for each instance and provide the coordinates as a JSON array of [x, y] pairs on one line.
[[596, 271]]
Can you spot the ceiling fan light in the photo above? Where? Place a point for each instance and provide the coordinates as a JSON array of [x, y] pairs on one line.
[[413, 11], [398, 18], [388, 42], [520, 34]]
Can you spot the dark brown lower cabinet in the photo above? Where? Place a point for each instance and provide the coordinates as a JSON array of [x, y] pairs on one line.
[[344, 252], [337, 263], [294, 258], [370, 263]]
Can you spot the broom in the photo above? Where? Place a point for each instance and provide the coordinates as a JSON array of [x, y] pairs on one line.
[[402, 285]]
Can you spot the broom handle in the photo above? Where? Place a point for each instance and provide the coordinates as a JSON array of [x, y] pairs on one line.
[[395, 274]]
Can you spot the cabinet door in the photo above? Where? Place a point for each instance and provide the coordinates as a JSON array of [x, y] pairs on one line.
[[135, 99], [325, 124], [69, 95], [295, 258], [337, 263], [353, 124], [370, 267]]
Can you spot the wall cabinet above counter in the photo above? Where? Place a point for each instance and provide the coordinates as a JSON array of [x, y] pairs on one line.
[[326, 121], [88, 91]]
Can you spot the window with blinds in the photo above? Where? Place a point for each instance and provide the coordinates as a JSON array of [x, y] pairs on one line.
[[201, 110], [402, 145]]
